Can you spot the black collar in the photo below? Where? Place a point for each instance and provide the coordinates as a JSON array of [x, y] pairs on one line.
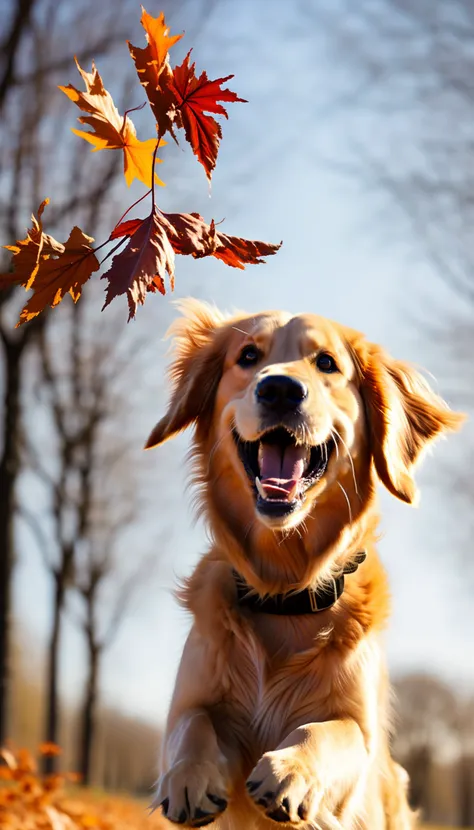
[[309, 601]]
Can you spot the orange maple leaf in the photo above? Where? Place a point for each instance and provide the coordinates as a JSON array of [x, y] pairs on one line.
[[194, 97], [29, 252], [110, 130], [59, 275], [143, 264], [153, 68]]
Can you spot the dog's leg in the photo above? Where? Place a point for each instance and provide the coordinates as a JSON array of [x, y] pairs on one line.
[[195, 783], [195, 788], [311, 771]]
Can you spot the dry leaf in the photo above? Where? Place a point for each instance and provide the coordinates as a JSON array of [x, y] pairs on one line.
[[60, 275], [127, 228], [143, 264], [28, 253], [149, 255], [153, 69], [111, 131], [195, 237], [49, 748]]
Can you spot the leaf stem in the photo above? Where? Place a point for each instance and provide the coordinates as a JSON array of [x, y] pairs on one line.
[[129, 209], [133, 109], [153, 175], [119, 243], [101, 245]]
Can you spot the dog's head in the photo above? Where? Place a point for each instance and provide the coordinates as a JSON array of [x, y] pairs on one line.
[[294, 415]]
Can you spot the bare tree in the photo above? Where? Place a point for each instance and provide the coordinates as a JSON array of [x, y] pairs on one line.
[[428, 713], [36, 160], [76, 385], [407, 72], [29, 131], [435, 732], [111, 504], [98, 570]]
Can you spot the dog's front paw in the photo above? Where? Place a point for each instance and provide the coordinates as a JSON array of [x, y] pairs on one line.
[[193, 794], [283, 789]]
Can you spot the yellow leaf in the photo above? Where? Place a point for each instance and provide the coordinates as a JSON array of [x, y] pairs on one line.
[[109, 129]]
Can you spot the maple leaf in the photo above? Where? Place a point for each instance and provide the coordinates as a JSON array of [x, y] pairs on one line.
[[110, 130], [194, 97], [62, 274], [127, 228], [28, 252], [143, 264], [195, 237], [153, 69], [149, 255]]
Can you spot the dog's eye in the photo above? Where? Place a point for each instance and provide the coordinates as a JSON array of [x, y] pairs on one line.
[[248, 356], [326, 363]]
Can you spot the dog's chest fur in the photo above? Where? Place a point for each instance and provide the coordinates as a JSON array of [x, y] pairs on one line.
[[278, 672], [281, 673]]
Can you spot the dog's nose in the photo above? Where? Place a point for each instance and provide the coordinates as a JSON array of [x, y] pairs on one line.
[[280, 393]]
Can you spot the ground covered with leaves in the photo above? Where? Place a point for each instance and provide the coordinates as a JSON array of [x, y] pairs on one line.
[[31, 801]]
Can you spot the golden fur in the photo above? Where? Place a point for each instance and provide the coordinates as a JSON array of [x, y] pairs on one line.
[[296, 707]]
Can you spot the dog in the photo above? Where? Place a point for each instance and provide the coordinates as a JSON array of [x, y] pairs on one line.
[[281, 710]]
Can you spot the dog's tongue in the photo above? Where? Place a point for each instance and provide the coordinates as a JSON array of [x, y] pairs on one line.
[[281, 469]]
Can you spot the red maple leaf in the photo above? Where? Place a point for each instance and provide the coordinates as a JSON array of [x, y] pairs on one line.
[[127, 228], [143, 264], [193, 98], [195, 237], [149, 255]]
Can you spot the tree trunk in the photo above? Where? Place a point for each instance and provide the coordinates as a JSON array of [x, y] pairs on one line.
[[52, 690], [88, 716], [418, 766], [466, 787], [9, 466]]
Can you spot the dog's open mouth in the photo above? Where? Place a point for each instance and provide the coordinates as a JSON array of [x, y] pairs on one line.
[[281, 470]]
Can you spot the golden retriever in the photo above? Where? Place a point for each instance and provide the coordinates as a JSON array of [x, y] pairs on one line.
[[281, 708]]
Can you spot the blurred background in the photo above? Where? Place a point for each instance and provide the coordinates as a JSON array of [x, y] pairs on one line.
[[357, 149]]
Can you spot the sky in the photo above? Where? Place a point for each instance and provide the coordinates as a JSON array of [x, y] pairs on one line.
[[271, 183]]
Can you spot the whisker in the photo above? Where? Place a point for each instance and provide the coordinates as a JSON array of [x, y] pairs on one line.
[[284, 536], [350, 459], [296, 530], [215, 448], [335, 442], [347, 499]]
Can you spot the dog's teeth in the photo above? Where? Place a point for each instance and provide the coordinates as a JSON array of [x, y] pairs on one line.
[[293, 492], [307, 458], [260, 487]]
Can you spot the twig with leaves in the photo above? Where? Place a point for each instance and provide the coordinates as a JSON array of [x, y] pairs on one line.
[[179, 100]]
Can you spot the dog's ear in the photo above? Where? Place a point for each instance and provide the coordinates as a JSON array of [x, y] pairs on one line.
[[195, 371], [404, 416]]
